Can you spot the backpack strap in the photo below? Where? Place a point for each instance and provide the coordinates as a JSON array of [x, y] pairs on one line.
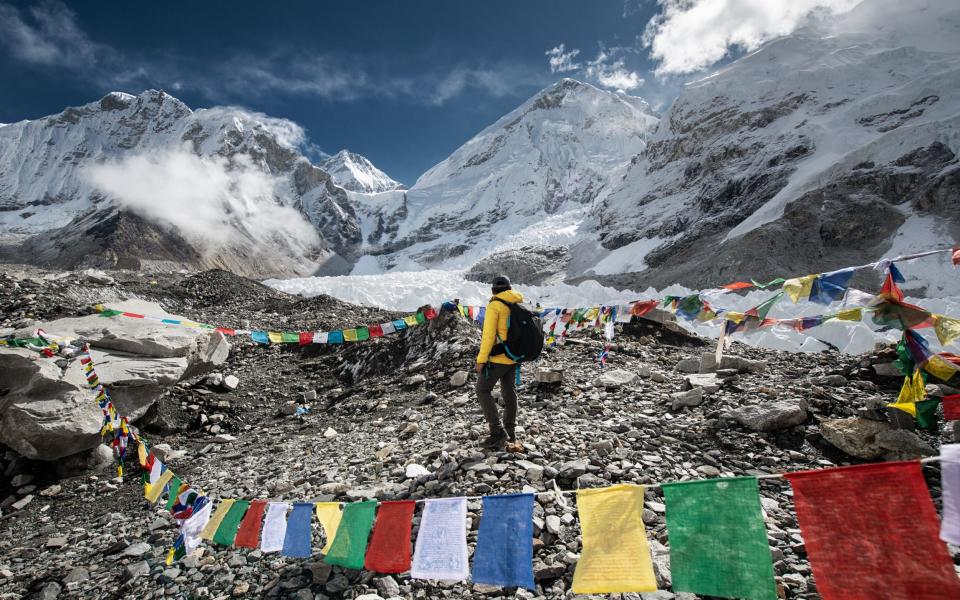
[[501, 347]]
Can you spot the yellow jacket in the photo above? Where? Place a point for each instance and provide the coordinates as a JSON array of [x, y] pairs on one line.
[[495, 327]]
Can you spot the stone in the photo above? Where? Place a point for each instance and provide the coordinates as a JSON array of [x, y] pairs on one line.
[[658, 377], [98, 277], [572, 469], [310, 395], [368, 597], [869, 439], [553, 524], [21, 480], [320, 571], [688, 365], [707, 381], [51, 491], [770, 416], [135, 570], [330, 433], [136, 550], [414, 470], [231, 382], [692, 397], [386, 586], [288, 410], [548, 375], [56, 542], [50, 591], [415, 380], [77, 575], [615, 378], [543, 571], [22, 502], [459, 379], [887, 369]]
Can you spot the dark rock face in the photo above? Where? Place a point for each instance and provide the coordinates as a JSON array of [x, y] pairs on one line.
[[531, 265]]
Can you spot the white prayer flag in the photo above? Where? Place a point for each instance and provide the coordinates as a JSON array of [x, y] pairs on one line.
[[274, 527], [950, 475], [320, 337], [441, 548], [623, 313], [193, 526], [388, 327]]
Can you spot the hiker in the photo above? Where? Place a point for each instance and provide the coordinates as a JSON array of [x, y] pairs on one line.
[[494, 365]]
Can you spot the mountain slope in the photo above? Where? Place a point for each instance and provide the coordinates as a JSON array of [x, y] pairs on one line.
[[228, 184], [357, 174]]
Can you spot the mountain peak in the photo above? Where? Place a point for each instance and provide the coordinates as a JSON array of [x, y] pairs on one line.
[[356, 173]]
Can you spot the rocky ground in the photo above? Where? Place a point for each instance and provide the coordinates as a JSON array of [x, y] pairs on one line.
[[393, 418]]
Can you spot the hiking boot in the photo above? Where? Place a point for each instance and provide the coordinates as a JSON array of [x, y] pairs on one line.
[[495, 441], [511, 436]]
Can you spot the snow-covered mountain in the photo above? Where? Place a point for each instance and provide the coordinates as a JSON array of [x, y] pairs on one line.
[[528, 178], [357, 174], [826, 148], [143, 180]]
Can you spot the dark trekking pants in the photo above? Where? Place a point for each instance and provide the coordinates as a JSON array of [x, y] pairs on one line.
[[486, 380]]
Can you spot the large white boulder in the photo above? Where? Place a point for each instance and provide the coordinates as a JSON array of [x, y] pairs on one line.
[[47, 412]]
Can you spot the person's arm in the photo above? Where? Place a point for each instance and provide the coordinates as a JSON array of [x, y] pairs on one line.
[[490, 320]]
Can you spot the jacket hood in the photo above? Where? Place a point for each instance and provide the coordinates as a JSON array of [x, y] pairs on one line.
[[510, 296]]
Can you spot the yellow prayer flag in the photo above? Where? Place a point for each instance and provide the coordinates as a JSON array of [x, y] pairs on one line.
[[349, 335], [616, 556], [410, 320], [851, 314], [940, 367], [947, 328], [329, 515], [274, 337], [591, 314], [799, 287], [153, 490], [214, 523], [142, 454], [911, 393], [189, 324], [736, 317]]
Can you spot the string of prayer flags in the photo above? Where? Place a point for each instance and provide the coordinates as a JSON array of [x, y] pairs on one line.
[[349, 335], [274, 527], [214, 523], [350, 544], [830, 287], [504, 553], [328, 514], [174, 491], [227, 530], [441, 547], [335, 337], [389, 549], [872, 530], [615, 556], [191, 529], [296, 543], [718, 544], [275, 337], [798, 287], [760, 311], [155, 490], [950, 478], [248, 535]]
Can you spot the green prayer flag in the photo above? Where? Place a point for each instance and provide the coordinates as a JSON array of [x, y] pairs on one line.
[[927, 413], [109, 312], [363, 333], [421, 318], [291, 338], [718, 544], [764, 286], [350, 544], [174, 491], [227, 531]]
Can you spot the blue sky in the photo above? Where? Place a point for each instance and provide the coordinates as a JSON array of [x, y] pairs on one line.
[[403, 83]]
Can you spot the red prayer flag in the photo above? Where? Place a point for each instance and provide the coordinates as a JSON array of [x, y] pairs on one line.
[[306, 337], [133, 315], [737, 285], [890, 289], [375, 331], [248, 535], [226, 331], [430, 314], [389, 549], [951, 407], [638, 309], [872, 531], [956, 256]]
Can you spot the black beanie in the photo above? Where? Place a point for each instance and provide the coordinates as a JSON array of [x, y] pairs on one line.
[[500, 284]]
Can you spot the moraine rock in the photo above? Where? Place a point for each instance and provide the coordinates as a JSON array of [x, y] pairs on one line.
[[708, 381], [770, 417], [869, 439], [692, 397], [459, 379], [616, 378], [688, 365]]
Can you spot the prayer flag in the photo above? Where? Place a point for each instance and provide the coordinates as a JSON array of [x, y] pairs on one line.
[[349, 335], [718, 545], [227, 530], [764, 286], [132, 315], [335, 337], [259, 337], [363, 333], [504, 553], [947, 328], [248, 536], [320, 337], [329, 514], [441, 548], [389, 550], [889, 290], [175, 483], [940, 367], [420, 317], [290, 338], [828, 287], [951, 407], [142, 454], [155, 490], [193, 526], [376, 331], [616, 556], [950, 478], [799, 287], [226, 330], [350, 545], [400, 324], [927, 413], [871, 531], [623, 314], [851, 314], [638, 309], [306, 338], [222, 509], [410, 320], [274, 527], [430, 313], [388, 328], [737, 285], [911, 392], [296, 544], [760, 311], [956, 256], [275, 337]]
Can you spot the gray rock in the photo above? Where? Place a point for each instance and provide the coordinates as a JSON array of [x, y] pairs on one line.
[[77, 575], [135, 570], [22, 502], [231, 382], [386, 586], [21, 480], [869, 439], [887, 369], [415, 380], [692, 397], [548, 375], [553, 524], [615, 378], [459, 379], [770, 417], [310, 395], [137, 550], [50, 591], [688, 365], [707, 381]]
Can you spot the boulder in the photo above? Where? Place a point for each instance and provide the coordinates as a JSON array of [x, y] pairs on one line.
[[708, 381], [869, 439], [688, 365], [548, 375], [459, 379], [770, 417], [692, 397], [48, 413], [615, 378], [708, 363]]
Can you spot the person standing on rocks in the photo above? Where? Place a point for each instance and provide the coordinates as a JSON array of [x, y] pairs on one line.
[[494, 365]]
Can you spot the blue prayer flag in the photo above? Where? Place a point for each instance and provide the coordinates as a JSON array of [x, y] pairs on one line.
[[335, 337], [296, 543], [504, 554], [896, 274], [828, 287], [260, 337], [400, 324]]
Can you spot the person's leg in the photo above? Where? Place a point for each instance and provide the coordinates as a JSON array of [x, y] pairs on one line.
[[486, 379], [509, 392]]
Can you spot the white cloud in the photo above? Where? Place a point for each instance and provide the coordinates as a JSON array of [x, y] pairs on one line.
[[212, 202], [562, 61], [46, 33], [611, 72], [690, 35]]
